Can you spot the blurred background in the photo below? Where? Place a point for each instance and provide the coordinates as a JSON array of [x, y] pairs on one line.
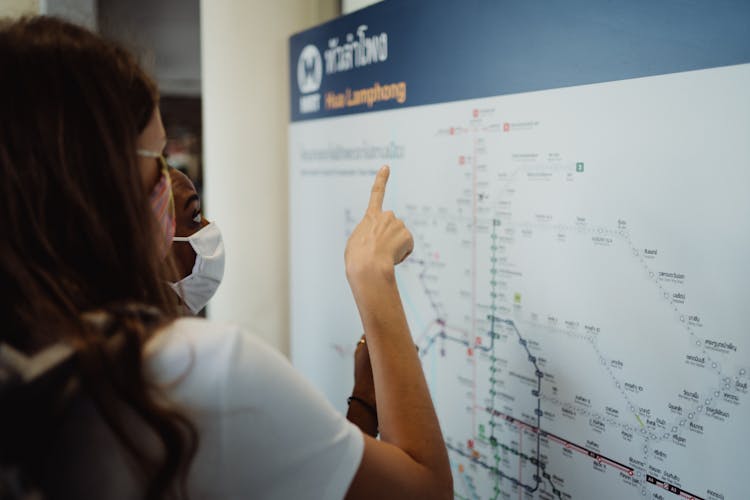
[[222, 69]]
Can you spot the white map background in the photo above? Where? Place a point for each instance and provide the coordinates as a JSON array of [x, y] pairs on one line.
[[579, 286]]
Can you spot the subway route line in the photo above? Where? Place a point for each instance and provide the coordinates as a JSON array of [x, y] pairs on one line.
[[458, 336], [494, 320], [534, 429], [564, 442], [672, 488], [536, 461]]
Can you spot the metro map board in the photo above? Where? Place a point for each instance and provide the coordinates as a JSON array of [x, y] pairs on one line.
[[575, 177]]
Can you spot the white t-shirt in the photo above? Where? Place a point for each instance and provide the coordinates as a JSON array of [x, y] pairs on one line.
[[264, 431]]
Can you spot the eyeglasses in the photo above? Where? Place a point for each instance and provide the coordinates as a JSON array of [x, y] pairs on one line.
[[148, 153], [161, 161]]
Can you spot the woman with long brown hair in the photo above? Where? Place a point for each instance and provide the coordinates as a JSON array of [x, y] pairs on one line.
[[146, 404]]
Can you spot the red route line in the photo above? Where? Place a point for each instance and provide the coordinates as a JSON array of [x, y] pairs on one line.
[[565, 443], [445, 326], [426, 330], [459, 330], [520, 462], [668, 487], [474, 277], [529, 427]]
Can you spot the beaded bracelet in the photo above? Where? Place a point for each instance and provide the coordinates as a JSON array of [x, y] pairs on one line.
[[364, 403]]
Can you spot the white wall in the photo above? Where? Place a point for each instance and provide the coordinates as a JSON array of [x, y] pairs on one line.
[[348, 6], [17, 8], [245, 116], [82, 12]]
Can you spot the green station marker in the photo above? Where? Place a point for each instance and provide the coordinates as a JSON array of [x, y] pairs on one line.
[[639, 420]]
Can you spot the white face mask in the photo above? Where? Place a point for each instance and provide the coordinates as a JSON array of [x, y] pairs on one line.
[[198, 287]]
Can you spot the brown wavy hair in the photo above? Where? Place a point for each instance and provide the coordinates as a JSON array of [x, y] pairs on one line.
[[79, 237]]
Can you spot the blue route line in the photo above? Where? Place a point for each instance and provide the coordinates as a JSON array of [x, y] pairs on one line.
[[537, 393]]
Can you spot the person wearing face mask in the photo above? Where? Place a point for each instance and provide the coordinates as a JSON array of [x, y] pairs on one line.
[[197, 247], [150, 404]]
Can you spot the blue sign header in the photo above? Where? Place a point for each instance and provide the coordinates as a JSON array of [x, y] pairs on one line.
[[401, 53]]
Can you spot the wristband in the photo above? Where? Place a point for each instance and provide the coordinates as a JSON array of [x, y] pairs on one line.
[[364, 403]]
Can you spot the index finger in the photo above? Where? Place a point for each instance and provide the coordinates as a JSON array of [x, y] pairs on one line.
[[378, 189]]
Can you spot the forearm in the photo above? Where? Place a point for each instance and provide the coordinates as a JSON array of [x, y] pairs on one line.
[[363, 417], [406, 416]]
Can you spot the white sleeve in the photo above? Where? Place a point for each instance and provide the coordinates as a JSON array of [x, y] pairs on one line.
[[265, 431]]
